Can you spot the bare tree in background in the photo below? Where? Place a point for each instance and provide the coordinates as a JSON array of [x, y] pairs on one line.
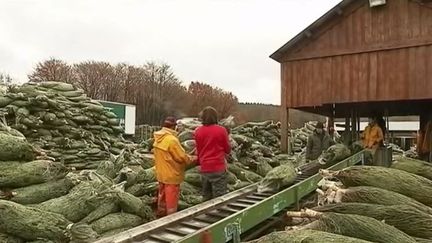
[[203, 95], [227, 103], [132, 84], [161, 93], [153, 88], [93, 77], [117, 77], [52, 70]]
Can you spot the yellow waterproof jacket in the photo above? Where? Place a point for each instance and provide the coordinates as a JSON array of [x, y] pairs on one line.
[[372, 137], [364, 136], [170, 157]]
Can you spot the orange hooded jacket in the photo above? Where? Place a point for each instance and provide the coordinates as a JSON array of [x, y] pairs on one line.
[[170, 157]]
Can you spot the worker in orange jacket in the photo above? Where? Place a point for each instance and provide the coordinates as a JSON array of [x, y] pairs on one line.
[[170, 164], [372, 136]]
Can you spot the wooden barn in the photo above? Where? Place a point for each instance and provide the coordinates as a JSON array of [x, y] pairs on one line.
[[360, 58]]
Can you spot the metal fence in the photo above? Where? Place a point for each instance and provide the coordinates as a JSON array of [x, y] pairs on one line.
[[145, 132]]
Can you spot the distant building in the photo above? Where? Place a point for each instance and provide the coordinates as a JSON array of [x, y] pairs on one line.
[[398, 127], [402, 133]]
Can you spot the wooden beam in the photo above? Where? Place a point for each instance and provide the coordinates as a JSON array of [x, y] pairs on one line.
[[358, 125], [284, 129], [388, 46], [354, 125], [320, 26], [284, 112], [347, 132]]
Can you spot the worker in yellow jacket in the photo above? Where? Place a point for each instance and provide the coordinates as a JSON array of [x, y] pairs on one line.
[[372, 136], [170, 164]]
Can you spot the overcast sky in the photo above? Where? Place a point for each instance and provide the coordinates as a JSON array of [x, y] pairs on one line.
[[222, 42]]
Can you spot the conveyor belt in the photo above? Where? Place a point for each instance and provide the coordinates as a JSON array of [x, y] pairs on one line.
[[227, 211], [278, 221]]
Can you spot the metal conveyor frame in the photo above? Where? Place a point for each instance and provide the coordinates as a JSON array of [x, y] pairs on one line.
[[230, 227], [224, 230]]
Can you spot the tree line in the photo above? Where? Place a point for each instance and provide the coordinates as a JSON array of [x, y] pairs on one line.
[[154, 88], [5, 78], [262, 112]]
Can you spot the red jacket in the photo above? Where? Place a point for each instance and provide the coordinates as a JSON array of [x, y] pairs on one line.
[[212, 144]]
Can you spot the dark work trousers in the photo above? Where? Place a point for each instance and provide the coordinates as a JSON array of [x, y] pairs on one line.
[[214, 184]]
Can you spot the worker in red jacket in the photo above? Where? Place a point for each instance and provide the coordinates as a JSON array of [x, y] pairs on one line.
[[212, 145]]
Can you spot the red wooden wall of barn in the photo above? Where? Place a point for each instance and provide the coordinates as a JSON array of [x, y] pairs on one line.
[[367, 54]]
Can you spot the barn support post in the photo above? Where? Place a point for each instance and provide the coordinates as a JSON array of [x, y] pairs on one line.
[[353, 125], [358, 127], [330, 125], [347, 132], [284, 129], [284, 111], [290, 140], [387, 120]]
